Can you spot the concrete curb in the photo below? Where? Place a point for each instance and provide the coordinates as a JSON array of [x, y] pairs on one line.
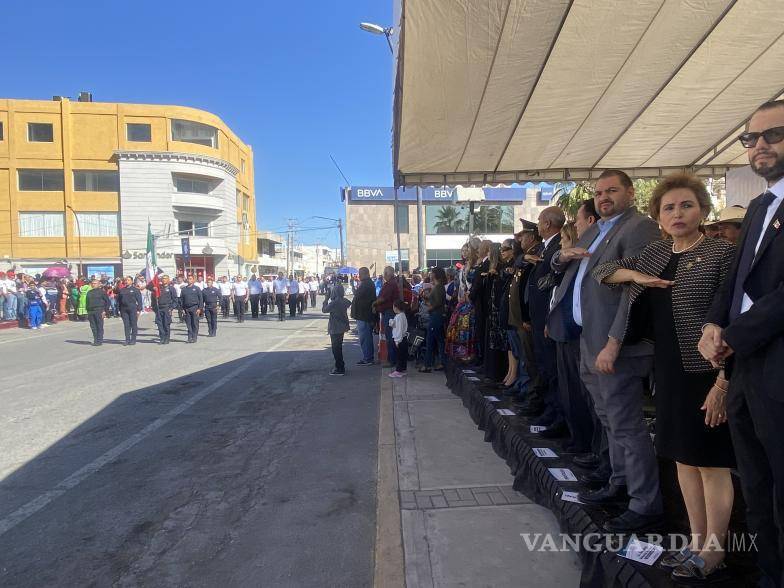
[[389, 561]]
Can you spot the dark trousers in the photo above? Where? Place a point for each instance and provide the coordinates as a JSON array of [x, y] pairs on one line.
[[755, 425], [545, 353], [96, 325], [337, 350], [401, 350], [574, 397], [280, 300], [313, 299], [211, 314], [129, 319], [163, 320], [435, 342], [264, 302], [192, 322], [303, 302], [386, 316], [225, 306], [239, 309], [293, 299], [254, 305]]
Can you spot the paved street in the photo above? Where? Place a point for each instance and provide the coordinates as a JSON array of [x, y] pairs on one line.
[[233, 462]]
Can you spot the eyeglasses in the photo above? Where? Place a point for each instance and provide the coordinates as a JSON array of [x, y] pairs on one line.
[[506, 248], [771, 136]]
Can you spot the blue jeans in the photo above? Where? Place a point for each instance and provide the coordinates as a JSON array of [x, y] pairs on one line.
[[35, 314], [435, 338], [10, 307], [385, 318], [365, 332]]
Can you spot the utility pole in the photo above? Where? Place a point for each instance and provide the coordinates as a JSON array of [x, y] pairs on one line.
[[289, 248], [340, 231]]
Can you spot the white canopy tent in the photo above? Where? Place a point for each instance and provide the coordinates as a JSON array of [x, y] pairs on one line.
[[505, 91]]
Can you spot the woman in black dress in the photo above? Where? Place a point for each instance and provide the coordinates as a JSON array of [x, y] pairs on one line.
[[672, 283]]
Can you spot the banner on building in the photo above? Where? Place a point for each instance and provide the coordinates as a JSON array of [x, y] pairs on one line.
[[514, 194], [391, 255]]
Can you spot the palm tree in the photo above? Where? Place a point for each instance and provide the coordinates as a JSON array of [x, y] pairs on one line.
[[570, 195], [448, 220]]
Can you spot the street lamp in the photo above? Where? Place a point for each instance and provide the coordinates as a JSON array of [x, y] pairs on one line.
[[79, 231], [375, 29]]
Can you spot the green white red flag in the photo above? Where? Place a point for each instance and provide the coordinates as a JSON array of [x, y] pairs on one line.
[[151, 269]]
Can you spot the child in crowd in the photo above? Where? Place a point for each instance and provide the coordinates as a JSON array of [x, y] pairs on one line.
[[399, 326], [337, 307]]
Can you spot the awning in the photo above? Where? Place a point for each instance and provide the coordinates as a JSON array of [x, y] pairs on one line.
[[505, 91]]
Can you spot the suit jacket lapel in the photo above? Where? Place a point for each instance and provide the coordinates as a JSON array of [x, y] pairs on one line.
[[770, 233], [571, 271], [597, 254]]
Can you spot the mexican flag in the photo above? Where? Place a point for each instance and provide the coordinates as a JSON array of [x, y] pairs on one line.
[[151, 270]]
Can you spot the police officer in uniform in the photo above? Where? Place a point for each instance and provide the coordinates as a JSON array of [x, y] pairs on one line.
[[163, 304], [212, 298], [192, 304], [97, 306], [129, 301]]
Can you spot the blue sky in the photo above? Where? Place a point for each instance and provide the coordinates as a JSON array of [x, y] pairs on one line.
[[297, 80]]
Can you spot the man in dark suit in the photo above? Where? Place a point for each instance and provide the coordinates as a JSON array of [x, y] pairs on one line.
[[480, 298], [746, 330], [539, 292], [614, 376]]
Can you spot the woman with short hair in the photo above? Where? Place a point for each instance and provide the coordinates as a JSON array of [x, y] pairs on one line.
[[670, 289]]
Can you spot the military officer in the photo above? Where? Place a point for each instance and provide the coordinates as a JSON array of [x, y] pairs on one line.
[[212, 298], [129, 301], [192, 303], [97, 306], [163, 304]]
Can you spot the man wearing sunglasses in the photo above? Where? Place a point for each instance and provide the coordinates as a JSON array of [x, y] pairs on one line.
[[745, 332]]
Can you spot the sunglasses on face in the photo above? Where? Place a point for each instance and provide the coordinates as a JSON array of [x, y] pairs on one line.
[[771, 136], [506, 248]]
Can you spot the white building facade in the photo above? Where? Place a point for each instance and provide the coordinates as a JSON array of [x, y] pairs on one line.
[[182, 196]]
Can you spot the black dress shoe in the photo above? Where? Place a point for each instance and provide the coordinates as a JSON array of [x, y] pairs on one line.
[[555, 431], [633, 522], [531, 409], [510, 391], [543, 420], [595, 479], [606, 495], [589, 460]]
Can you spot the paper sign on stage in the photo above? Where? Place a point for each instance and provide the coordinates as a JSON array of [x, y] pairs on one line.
[[563, 474], [544, 452], [642, 552], [506, 412], [492, 399], [570, 497], [537, 428]]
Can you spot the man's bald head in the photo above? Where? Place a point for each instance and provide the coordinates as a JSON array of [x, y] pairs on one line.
[[551, 219]]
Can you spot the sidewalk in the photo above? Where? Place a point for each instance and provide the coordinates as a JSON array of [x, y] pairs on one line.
[[460, 519]]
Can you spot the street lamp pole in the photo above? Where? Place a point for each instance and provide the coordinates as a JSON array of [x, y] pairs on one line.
[[79, 231], [340, 231]]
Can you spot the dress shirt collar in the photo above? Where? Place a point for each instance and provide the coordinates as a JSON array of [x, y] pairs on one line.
[[547, 241], [609, 223], [777, 189]]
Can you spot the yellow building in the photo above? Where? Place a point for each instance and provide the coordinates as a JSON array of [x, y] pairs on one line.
[[80, 179]]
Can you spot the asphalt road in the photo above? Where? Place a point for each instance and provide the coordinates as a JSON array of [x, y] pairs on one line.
[[233, 462]]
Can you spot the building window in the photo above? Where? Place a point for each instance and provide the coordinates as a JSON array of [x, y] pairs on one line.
[[447, 219], [242, 165], [245, 202], [96, 181], [41, 180], [139, 132], [40, 132], [193, 132], [402, 218], [494, 220], [41, 224], [97, 224], [192, 184], [442, 257], [245, 228], [1, 130], [194, 228]]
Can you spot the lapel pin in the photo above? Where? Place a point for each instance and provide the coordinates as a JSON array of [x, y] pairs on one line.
[[776, 224]]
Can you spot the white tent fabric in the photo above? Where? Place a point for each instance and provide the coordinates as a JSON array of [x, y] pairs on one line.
[[492, 91]]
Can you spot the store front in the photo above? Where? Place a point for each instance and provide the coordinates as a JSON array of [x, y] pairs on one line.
[[200, 266]]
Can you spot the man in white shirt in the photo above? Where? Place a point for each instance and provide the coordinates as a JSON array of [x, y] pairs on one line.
[[293, 295], [302, 297], [254, 291], [267, 297], [239, 295], [280, 289], [225, 289], [313, 287], [178, 285]]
